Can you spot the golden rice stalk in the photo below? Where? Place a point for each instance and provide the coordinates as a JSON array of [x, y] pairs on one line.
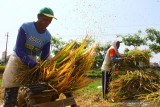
[[133, 84], [65, 72], [34, 75], [133, 57], [74, 73]]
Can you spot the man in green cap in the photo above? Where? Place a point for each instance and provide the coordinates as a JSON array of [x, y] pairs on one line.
[[33, 40]]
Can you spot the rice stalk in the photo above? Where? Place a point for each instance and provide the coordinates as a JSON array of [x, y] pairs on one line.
[[65, 72]]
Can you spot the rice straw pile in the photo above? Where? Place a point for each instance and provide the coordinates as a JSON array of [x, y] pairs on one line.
[[134, 82], [65, 72], [133, 57]]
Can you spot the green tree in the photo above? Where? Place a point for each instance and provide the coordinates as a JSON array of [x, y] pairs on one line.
[[101, 51], [133, 40], [56, 44], [154, 36]]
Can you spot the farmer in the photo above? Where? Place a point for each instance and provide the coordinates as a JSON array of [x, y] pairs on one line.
[[33, 40], [111, 58]]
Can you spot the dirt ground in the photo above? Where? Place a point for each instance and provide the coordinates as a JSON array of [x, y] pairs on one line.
[[92, 101]]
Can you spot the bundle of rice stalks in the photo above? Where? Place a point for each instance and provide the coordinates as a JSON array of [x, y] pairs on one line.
[[132, 84], [134, 58], [65, 72]]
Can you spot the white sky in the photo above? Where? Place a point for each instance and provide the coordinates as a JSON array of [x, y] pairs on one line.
[[101, 18]]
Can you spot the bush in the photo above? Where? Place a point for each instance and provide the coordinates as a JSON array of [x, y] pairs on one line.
[[91, 89]]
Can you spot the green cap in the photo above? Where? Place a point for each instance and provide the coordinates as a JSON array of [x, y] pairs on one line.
[[47, 12]]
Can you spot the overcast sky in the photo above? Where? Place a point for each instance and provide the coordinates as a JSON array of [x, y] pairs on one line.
[[103, 19]]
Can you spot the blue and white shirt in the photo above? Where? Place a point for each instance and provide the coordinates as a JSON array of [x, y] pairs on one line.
[[31, 42]]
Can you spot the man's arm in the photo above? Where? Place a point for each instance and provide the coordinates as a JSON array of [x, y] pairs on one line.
[[20, 49], [45, 51], [113, 56]]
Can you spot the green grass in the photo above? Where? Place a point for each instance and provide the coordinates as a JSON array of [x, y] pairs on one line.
[[91, 88]]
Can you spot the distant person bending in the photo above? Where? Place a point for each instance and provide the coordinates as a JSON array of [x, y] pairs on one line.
[[111, 58], [33, 40]]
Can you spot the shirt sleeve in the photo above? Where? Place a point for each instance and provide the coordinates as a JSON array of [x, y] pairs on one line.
[[115, 59], [112, 52], [45, 51], [113, 56], [20, 49]]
